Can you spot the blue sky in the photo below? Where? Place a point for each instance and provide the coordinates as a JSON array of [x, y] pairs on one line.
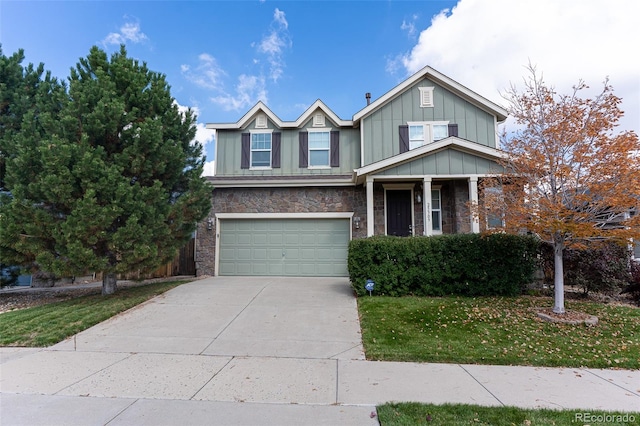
[[221, 57]]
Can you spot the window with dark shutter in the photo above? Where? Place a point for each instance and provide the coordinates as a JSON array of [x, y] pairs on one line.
[[303, 138], [404, 138], [275, 150], [335, 148], [453, 130], [246, 151]]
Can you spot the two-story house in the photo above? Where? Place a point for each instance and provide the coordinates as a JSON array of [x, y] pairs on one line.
[[289, 195]]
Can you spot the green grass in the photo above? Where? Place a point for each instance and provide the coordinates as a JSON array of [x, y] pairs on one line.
[[411, 413], [51, 323], [494, 330]]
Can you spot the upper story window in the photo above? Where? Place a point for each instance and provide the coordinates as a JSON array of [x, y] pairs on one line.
[[319, 149], [426, 97], [427, 132], [260, 150]]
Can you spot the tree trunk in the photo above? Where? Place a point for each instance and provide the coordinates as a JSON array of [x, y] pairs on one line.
[[558, 277], [108, 283]]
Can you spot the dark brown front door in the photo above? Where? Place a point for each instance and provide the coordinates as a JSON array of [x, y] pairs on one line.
[[399, 212]]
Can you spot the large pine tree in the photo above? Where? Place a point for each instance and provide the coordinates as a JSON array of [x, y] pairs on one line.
[[111, 182]]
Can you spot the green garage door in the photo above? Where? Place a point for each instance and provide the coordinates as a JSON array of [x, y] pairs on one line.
[[293, 247]]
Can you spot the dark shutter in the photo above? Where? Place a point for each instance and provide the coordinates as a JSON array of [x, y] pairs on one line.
[[404, 138], [275, 150], [335, 148], [453, 130], [304, 149], [246, 151]]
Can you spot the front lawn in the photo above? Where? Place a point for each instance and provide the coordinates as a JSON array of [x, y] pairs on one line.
[[496, 330], [411, 414], [49, 324]]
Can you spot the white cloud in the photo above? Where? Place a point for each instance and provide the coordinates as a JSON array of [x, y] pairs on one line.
[[203, 135], [209, 168], [486, 46], [207, 74], [410, 26], [249, 90], [275, 43], [129, 32]]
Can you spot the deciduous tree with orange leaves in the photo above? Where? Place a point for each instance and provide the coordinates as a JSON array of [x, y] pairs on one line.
[[570, 176]]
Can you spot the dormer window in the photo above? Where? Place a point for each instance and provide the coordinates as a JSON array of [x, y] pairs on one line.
[[426, 97], [318, 120], [261, 121]]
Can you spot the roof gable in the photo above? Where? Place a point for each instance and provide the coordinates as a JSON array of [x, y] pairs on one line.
[[261, 107], [425, 150], [452, 85]]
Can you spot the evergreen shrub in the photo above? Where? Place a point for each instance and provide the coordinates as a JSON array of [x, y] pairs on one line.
[[461, 264]]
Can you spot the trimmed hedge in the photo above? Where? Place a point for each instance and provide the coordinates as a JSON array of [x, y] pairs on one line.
[[461, 264]]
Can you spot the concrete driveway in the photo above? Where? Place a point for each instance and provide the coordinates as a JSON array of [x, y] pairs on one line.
[[237, 316]]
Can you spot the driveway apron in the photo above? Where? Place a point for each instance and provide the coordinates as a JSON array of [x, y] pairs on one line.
[[237, 316]]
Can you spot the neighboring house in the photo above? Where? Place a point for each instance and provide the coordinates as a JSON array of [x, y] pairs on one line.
[[289, 195]]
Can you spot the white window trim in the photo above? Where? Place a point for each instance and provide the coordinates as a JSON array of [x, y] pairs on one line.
[[428, 130], [426, 97], [435, 188], [328, 166], [251, 166]]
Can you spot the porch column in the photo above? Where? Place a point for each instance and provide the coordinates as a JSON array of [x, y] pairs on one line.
[[473, 197], [426, 205], [370, 213]]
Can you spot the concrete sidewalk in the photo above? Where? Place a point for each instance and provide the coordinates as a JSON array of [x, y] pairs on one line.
[[262, 351]]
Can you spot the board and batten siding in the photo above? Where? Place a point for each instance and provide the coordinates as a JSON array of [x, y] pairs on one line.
[[229, 153], [380, 129], [445, 162]]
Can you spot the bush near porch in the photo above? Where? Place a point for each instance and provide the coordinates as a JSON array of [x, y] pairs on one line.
[[461, 264]]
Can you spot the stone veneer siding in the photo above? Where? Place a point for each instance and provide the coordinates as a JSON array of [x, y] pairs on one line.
[[277, 200]]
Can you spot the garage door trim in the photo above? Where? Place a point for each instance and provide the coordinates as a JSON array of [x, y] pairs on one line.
[[317, 215]]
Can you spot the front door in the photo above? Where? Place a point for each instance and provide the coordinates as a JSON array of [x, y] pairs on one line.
[[399, 212]]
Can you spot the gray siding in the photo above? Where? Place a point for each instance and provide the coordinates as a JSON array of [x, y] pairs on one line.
[[445, 162], [380, 129], [229, 151]]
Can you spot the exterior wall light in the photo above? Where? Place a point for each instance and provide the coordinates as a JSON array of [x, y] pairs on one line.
[[209, 224], [418, 198], [356, 222]]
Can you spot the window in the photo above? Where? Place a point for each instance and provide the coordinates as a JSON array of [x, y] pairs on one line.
[[260, 150], [495, 219], [319, 149], [426, 97], [436, 211], [424, 133]]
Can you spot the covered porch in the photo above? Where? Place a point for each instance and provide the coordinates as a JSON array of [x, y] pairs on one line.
[[429, 190]]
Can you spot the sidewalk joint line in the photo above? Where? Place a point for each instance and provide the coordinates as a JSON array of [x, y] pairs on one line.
[[130, 354], [478, 382], [122, 411], [212, 377], [612, 383], [337, 379], [233, 319]]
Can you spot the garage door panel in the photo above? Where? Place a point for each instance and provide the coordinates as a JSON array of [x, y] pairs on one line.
[[310, 247]]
